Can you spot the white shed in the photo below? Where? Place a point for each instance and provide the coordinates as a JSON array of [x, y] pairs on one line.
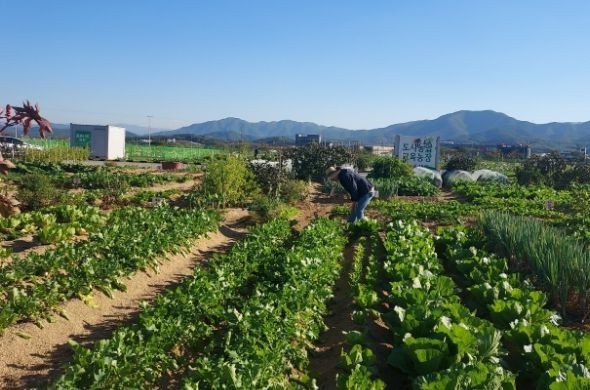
[[104, 142]]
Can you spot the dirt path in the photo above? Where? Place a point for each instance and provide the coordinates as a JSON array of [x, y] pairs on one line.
[[318, 204], [34, 361], [172, 185], [325, 359]]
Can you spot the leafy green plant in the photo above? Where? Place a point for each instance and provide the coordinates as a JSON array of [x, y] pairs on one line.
[[359, 366], [468, 376], [539, 353], [364, 161], [268, 208], [269, 310], [432, 330], [442, 212], [134, 240]]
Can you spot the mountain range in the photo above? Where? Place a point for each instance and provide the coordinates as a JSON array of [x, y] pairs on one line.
[[481, 127]]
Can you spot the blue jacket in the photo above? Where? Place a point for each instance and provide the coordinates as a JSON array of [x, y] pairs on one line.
[[356, 185]]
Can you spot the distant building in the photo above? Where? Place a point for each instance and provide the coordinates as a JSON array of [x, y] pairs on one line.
[[575, 155], [381, 150], [103, 142], [301, 139], [520, 151], [352, 145]]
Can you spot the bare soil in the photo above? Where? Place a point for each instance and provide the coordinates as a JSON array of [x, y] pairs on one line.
[[317, 204], [37, 358], [325, 358], [193, 180], [324, 364]]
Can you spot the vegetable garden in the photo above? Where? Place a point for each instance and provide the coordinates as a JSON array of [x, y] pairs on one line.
[[482, 286]]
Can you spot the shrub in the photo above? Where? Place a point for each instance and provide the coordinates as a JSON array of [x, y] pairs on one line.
[[462, 162], [268, 208], [364, 161], [294, 190], [581, 173], [528, 174], [550, 170], [390, 167], [311, 161], [270, 176], [38, 190], [228, 181]]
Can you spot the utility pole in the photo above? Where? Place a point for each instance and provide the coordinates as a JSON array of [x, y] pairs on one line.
[[149, 129]]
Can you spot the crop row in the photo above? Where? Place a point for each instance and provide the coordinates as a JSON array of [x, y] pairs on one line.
[[359, 362], [391, 187], [53, 224], [30, 287], [104, 178], [89, 177], [442, 212], [539, 352], [438, 342], [245, 320], [268, 335]]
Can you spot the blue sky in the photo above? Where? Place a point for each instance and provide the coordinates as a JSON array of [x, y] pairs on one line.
[[355, 64]]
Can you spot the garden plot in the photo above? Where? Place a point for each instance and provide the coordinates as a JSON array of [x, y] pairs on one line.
[[31, 356]]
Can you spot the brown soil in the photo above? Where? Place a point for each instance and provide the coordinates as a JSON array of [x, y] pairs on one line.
[[324, 365], [325, 360], [37, 358], [317, 204], [185, 186]]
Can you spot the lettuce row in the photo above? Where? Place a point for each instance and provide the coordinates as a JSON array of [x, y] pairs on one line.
[[358, 361], [540, 352], [264, 342], [437, 341], [178, 323], [134, 239]]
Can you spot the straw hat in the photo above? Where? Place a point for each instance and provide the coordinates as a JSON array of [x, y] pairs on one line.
[[332, 172]]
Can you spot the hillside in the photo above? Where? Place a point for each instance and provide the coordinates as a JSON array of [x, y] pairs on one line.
[[489, 127]]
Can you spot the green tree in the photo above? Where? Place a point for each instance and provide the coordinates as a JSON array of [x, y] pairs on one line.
[[463, 162], [387, 167], [311, 161], [228, 180]]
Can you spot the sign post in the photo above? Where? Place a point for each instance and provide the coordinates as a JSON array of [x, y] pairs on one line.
[[82, 139], [418, 151]]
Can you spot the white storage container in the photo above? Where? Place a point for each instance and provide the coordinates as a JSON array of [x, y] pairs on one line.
[[104, 142]]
